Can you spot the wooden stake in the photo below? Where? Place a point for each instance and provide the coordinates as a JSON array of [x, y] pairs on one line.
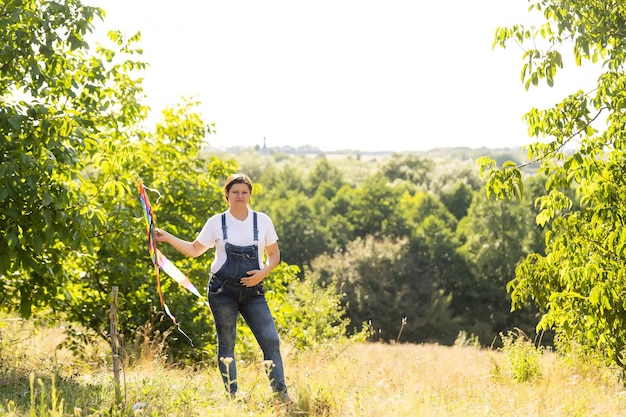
[[115, 348]]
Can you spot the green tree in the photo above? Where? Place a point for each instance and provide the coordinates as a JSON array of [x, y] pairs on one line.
[[457, 198], [184, 190], [71, 155], [416, 208], [372, 208], [296, 225], [454, 182], [496, 236], [405, 275], [299, 207], [281, 181], [411, 168], [325, 180], [391, 285], [579, 283], [61, 107], [339, 227], [368, 272], [433, 245], [72, 150]]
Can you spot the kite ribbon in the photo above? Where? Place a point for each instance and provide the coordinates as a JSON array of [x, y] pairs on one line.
[[160, 261], [170, 269]]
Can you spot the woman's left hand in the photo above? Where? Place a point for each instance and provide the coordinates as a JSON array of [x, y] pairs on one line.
[[254, 277]]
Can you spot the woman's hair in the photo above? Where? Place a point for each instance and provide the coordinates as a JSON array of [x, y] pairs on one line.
[[237, 179]]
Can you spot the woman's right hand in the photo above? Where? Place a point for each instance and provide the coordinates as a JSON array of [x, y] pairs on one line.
[[160, 235]]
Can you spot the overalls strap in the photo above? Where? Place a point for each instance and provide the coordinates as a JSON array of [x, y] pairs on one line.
[[255, 227]]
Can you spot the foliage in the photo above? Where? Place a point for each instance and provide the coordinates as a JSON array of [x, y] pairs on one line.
[[411, 168], [433, 248], [372, 208], [302, 236], [180, 201], [306, 315], [455, 182], [383, 283], [496, 237], [325, 179], [73, 145], [464, 291], [524, 359], [73, 148], [579, 282], [58, 104], [312, 315]]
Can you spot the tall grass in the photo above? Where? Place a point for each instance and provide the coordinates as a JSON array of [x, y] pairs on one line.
[[359, 379]]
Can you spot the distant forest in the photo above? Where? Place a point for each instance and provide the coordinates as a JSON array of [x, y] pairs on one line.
[[410, 240]]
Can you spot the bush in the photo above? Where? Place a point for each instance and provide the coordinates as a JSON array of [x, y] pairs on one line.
[[523, 357]]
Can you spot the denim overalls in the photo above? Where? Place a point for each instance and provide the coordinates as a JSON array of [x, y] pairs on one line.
[[228, 297]]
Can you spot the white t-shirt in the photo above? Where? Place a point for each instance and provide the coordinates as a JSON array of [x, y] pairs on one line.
[[239, 233]]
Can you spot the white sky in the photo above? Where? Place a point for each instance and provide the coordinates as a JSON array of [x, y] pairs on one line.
[[394, 75]]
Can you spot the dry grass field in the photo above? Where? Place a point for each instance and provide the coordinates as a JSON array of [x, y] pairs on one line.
[[357, 380]]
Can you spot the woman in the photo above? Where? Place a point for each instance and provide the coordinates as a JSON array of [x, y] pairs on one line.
[[240, 236]]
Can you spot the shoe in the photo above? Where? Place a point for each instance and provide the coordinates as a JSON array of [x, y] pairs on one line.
[[239, 396], [283, 397]]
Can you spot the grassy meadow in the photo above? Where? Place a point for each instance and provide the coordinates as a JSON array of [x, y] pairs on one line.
[[354, 379]]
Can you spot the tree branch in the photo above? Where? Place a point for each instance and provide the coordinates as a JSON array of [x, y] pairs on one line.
[[565, 142]]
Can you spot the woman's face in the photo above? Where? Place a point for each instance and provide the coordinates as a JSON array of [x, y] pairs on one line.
[[239, 194]]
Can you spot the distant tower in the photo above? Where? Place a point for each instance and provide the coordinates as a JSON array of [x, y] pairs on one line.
[[264, 146]]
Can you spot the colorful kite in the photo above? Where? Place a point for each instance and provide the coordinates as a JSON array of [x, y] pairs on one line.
[[161, 262]]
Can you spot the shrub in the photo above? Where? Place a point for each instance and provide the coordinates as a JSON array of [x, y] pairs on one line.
[[523, 356]]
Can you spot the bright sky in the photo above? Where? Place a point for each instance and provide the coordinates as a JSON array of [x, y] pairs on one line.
[[395, 75]]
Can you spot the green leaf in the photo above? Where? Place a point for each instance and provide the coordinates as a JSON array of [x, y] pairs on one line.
[[595, 296], [12, 240], [15, 121], [47, 199], [37, 244]]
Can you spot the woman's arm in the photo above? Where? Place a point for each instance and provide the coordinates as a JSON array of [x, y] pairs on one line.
[[273, 258], [191, 249]]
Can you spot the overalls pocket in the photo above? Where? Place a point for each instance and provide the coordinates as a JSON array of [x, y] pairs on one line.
[[216, 285]]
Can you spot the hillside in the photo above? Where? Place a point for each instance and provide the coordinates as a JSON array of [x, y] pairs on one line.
[[354, 380]]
